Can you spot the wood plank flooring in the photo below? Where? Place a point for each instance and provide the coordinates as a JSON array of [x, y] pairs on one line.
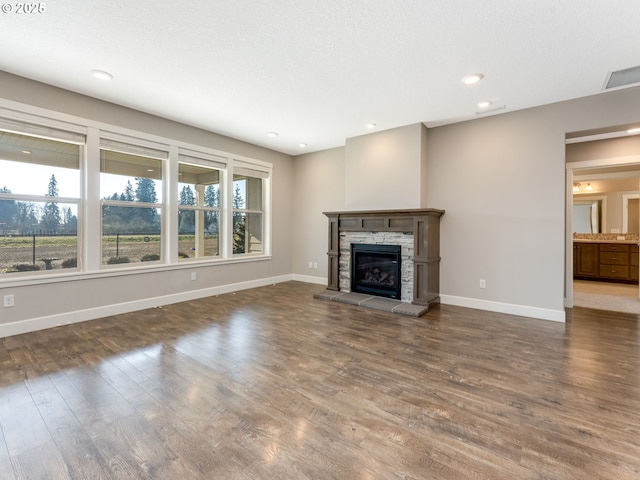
[[271, 384]]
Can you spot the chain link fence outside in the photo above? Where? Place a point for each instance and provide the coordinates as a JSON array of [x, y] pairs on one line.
[[37, 251]]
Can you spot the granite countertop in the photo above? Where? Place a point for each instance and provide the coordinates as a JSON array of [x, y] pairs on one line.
[[623, 242]]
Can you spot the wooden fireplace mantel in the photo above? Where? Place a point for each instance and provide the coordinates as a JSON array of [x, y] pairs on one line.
[[424, 224]]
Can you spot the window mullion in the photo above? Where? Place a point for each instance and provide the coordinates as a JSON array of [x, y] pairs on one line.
[[90, 220], [170, 220]]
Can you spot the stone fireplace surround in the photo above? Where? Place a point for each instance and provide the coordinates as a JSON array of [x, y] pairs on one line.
[[405, 240], [417, 230]]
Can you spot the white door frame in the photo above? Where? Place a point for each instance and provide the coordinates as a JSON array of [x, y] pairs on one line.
[[570, 167]]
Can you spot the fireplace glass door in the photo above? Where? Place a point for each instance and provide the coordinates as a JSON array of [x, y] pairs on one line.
[[375, 269]]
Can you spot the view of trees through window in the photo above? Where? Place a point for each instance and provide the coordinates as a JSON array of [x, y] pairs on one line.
[[247, 214], [38, 228], [41, 203], [132, 215], [28, 217], [126, 219], [199, 211]]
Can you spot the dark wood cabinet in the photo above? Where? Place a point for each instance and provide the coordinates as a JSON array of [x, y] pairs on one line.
[[614, 261], [585, 259], [606, 261]]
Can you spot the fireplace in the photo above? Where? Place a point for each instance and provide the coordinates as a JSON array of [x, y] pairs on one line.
[[376, 269], [419, 228]]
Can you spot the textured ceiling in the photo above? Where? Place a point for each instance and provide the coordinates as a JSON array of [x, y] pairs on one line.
[[317, 72]]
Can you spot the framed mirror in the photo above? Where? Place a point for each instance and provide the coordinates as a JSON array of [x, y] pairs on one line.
[[587, 216]]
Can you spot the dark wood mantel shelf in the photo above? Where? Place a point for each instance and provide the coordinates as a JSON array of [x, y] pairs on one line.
[[424, 224]]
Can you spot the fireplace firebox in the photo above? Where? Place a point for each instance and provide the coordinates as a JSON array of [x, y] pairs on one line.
[[375, 269]]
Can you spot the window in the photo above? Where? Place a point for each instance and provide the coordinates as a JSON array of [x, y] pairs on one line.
[[199, 207], [78, 198], [39, 197], [248, 211], [131, 193]]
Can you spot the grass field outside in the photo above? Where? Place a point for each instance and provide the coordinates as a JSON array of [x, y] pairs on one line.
[[24, 253]]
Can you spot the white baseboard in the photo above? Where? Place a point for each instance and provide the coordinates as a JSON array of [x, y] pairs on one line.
[[310, 279], [41, 323], [512, 309]]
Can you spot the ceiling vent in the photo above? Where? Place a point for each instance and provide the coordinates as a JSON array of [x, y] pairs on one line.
[[623, 78]]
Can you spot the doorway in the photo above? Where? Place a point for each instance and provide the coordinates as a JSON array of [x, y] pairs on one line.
[[613, 219]]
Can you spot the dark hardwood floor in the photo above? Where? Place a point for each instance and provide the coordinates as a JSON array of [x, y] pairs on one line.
[[270, 383]]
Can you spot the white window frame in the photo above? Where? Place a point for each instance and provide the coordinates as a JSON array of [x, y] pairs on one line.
[[255, 169], [213, 162], [21, 123], [89, 233], [143, 149]]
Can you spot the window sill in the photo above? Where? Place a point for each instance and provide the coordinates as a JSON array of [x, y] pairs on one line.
[[117, 271]]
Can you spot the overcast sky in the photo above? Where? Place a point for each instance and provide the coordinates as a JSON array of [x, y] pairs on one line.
[[29, 179], [24, 178]]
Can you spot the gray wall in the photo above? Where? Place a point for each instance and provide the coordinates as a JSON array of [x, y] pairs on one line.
[[384, 169], [85, 298], [319, 187]]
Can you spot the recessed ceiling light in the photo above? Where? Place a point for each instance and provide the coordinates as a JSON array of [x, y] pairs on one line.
[[633, 131], [272, 134], [101, 75], [303, 145], [472, 78], [484, 104], [26, 152], [370, 125]]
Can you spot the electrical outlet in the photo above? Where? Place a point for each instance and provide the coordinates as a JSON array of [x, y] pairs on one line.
[[194, 276], [483, 283], [310, 264], [315, 264], [9, 301]]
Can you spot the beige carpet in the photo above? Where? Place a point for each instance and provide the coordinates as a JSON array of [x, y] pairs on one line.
[[606, 296]]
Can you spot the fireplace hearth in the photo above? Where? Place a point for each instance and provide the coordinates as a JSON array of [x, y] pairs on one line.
[[376, 269]]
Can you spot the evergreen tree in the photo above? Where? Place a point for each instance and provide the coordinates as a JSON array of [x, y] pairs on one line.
[[125, 215], [187, 218], [212, 196], [239, 234], [238, 199], [145, 190], [239, 224], [186, 196], [211, 199], [128, 194], [145, 220], [8, 211], [26, 219], [51, 213], [70, 221]]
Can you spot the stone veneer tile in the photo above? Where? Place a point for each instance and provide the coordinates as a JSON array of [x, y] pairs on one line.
[[405, 240]]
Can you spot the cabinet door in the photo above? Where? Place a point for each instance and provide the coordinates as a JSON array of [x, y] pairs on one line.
[[587, 264]]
